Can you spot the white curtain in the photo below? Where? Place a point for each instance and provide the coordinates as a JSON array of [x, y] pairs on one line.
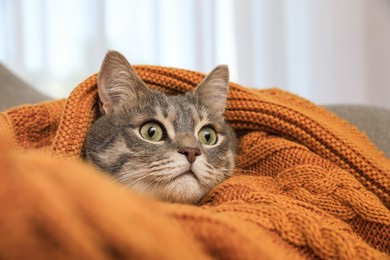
[[329, 51]]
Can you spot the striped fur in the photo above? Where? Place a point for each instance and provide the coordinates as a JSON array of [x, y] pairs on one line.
[[158, 169]]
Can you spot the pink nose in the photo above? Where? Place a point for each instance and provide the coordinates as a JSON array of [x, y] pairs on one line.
[[190, 153]]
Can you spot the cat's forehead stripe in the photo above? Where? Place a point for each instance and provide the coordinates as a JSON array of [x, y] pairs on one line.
[[171, 114], [167, 121], [198, 114]]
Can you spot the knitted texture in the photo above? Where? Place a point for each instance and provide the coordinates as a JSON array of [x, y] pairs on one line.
[[306, 185]]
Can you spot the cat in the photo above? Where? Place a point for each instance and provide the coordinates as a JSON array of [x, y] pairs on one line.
[[172, 148]]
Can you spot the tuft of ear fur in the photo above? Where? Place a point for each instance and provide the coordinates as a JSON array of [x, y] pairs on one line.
[[213, 89], [118, 83]]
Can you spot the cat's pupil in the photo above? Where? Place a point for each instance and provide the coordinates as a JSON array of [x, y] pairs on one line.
[[151, 131], [207, 136]]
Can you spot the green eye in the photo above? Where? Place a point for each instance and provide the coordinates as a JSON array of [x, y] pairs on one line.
[[152, 132], [207, 135]]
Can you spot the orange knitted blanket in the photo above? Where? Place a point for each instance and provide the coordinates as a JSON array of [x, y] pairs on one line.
[[306, 185]]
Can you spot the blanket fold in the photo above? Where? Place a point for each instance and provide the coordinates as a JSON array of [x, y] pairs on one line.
[[307, 185]]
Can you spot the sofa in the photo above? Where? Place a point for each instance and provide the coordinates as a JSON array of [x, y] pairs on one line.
[[307, 185]]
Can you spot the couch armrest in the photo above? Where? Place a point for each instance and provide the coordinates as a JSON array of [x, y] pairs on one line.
[[373, 121], [14, 91]]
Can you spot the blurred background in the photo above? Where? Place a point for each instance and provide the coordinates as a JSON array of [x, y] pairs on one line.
[[329, 51]]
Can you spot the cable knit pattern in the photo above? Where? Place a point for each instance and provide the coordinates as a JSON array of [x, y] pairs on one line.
[[306, 185]]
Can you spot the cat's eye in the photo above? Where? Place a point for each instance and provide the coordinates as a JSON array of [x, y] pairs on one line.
[[207, 136], [152, 132]]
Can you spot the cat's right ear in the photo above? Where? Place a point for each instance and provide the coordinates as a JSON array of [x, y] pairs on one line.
[[212, 91], [118, 83]]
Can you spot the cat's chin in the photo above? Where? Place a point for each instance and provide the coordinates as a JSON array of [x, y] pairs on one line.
[[188, 174], [185, 188]]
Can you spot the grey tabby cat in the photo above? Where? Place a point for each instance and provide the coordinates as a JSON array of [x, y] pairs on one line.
[[173, 148]]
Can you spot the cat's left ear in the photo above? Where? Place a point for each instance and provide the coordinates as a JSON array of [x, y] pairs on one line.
[[118, 83], [213, 89]]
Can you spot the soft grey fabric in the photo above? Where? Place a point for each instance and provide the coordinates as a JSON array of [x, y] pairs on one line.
[[14, 91], [373, 121]]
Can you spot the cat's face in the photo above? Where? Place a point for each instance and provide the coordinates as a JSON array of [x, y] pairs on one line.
[[174, 148]]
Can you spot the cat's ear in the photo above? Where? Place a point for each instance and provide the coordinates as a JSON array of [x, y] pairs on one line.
[[118, 83], [213, 89]]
